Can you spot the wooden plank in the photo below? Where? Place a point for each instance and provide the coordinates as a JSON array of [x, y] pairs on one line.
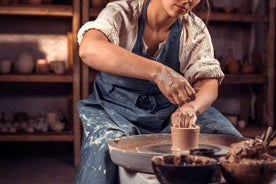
[[38, 137], [76, 81], [37, 78], [37, 10]]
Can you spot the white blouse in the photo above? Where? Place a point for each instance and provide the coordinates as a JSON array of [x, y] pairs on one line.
[[119, 22]]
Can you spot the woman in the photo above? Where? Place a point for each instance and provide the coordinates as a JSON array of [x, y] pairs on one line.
[[155, 59]]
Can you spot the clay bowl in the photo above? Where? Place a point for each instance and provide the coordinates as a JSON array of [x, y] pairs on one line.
[[183, 169], [239, 173]]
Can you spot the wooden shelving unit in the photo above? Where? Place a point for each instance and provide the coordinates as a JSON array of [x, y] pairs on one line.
[[71, 79], [264, 80], [267, 78]]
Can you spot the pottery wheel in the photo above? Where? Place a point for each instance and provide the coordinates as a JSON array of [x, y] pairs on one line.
[[135, 152], [166, 149]]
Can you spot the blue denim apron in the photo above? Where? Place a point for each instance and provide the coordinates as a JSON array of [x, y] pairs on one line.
[[121, 106]]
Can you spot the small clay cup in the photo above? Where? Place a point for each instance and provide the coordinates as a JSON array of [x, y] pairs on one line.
[[184, 139], [59, 67], [42, 66]]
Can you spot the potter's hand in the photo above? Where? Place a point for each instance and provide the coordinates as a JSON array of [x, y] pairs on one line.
[[185, 116], [174, 86]]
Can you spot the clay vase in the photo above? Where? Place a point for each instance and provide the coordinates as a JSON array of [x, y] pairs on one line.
[[232, 65], [247, 68], [184, 139]]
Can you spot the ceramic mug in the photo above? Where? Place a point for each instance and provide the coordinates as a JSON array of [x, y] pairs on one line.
[[58, 67], [42, 66], [184, 139]]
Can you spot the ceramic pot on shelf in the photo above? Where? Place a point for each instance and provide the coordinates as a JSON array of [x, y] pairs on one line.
[[42, 66], [24, 64], [231, 63], [5, 66], [247, 68]]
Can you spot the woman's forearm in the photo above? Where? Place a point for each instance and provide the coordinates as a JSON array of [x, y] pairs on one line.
[[98, 53], [206, 95]]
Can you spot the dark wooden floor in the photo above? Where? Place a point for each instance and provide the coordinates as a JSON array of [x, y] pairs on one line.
[[23, 163]]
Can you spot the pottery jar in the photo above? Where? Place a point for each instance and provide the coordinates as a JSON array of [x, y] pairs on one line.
[[5, 66], [24, 63]]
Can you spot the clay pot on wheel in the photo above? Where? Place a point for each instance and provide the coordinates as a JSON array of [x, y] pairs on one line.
[[184, 139]]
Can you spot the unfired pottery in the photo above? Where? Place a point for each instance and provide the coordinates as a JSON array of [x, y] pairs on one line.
[[184, 139]]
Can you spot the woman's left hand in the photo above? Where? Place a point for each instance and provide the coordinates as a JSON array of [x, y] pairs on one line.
[[184, 117]]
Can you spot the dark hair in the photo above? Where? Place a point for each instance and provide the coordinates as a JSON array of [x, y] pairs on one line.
[[208, 11]]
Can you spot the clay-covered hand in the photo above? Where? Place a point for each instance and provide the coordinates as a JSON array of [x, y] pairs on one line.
[[174, 86], [184, 117]]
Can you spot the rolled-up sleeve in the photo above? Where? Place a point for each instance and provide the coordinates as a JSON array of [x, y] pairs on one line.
[[116, 21], [105, 22], [197, 54]]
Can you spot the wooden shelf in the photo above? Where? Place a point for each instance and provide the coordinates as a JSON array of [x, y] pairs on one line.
[[72, 12], [37, 10], [38, 137], [234, 17], [245, 79], [37, 78]]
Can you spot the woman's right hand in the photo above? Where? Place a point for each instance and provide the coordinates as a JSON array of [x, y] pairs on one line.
[[174, 86]]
